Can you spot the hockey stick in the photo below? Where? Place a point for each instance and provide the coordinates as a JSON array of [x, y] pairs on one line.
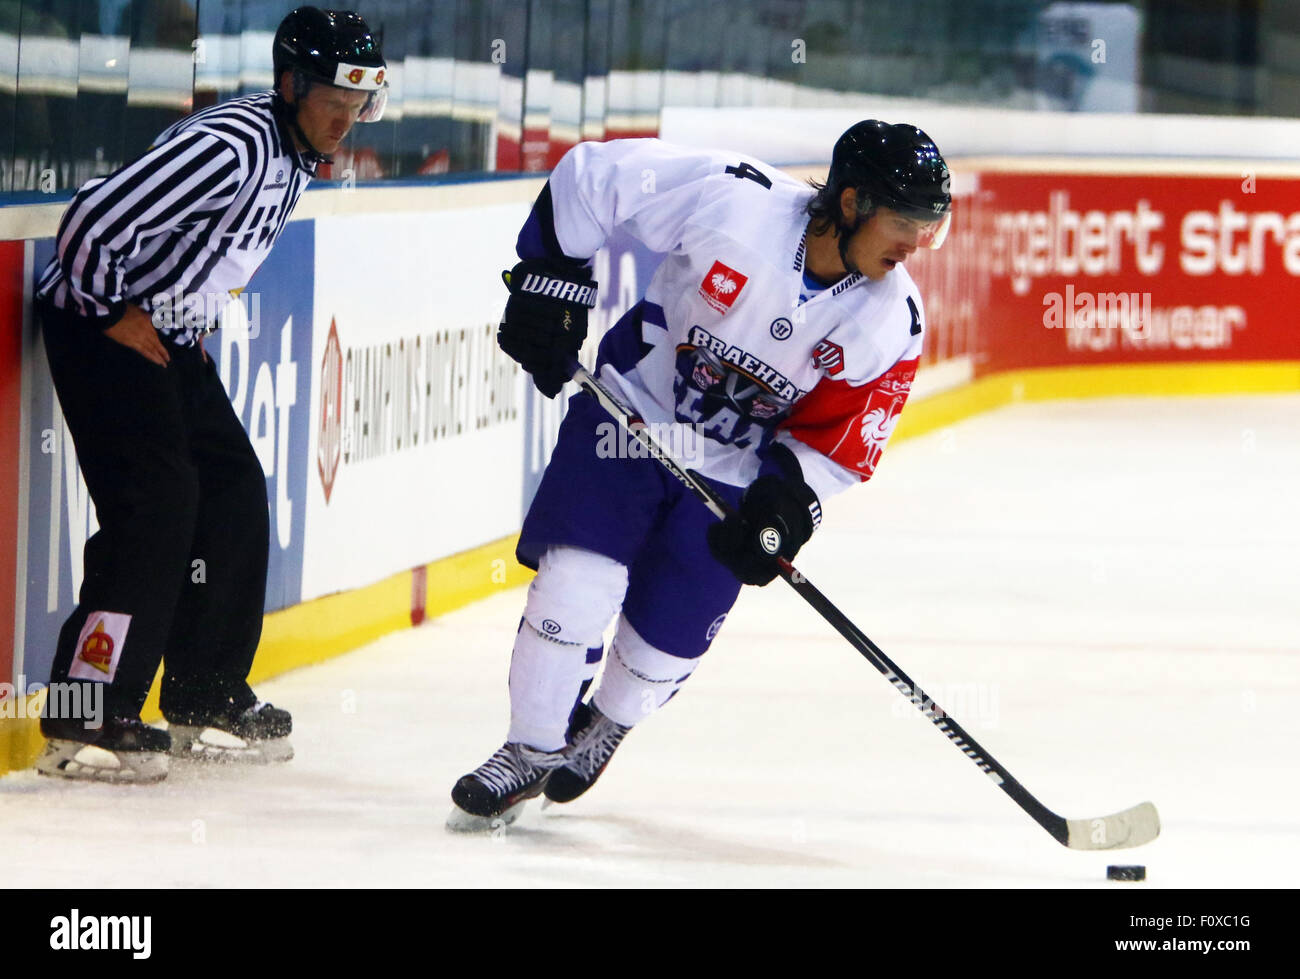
[[1130, 828]]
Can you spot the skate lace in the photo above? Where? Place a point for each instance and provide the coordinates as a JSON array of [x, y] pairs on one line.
[[595, 745], [514, 765]]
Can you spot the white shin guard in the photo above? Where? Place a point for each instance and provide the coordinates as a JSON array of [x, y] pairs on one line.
[[638, 678], [573, 598]]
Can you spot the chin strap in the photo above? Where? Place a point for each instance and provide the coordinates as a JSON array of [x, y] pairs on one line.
[[310, 155], [843, 236]]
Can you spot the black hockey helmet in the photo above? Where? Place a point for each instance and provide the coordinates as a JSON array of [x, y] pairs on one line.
[[332, 47], [895, 166]]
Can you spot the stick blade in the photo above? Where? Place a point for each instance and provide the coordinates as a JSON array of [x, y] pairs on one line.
[[1122, 831]]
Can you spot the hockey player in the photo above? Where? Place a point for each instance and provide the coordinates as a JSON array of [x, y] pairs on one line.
[[782, 326], [171, 470]]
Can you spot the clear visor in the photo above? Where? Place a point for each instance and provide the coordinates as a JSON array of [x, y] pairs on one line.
[[931, 234], [373, 110]]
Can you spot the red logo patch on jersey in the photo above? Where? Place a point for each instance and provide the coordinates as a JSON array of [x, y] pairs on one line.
[[829, 357], [721, 286]]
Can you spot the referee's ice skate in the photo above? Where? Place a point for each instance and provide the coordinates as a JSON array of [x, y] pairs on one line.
[[122, 750], [258, 735]]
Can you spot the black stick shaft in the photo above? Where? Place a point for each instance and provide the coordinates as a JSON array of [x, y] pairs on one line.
[[1050, 821]]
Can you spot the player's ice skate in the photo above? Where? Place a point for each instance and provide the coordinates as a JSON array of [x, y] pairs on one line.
[[593, 739], [122, 750], [256, 736], [494, 794]]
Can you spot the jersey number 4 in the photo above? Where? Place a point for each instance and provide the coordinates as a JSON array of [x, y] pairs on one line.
[[743, 171]]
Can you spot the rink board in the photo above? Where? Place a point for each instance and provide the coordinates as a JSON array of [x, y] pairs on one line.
[[11, 305], [400, 445]]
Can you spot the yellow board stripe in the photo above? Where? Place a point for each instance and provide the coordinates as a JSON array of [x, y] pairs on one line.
[[20, 734], [326, 627], [1050, 383], [320, 629]]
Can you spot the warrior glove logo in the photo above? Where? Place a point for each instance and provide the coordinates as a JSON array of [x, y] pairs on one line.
[[770, 539], [559, 289]]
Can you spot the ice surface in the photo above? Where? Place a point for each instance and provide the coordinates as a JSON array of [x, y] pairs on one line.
[[1106, 595]]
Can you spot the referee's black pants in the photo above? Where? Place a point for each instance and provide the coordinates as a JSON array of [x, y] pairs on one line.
[[183, 524]]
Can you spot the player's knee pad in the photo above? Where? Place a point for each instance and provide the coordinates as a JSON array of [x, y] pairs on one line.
[[638, 678], [574, 596]]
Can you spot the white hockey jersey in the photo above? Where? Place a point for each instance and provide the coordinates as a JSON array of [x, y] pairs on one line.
[[724, 339]]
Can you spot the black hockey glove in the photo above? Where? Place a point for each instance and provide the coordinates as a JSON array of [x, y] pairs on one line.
[[545, 322], [777, 516]]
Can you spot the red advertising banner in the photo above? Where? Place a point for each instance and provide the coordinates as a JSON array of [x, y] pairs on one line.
[[1085, 269], [11, 322]]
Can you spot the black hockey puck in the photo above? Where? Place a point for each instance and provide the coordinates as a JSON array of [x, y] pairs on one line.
[[1126, 873]]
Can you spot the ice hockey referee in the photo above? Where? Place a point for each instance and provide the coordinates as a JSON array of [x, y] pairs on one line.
[[146, 258]]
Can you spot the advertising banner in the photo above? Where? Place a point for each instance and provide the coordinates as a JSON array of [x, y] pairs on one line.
[[11, 321], [417, 417], [363, 362], [261, 356], [1088, 269], [60, 515]]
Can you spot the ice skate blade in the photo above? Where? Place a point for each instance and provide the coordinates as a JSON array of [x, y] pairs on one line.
[[460, 821], [210, 745], [88, 763]]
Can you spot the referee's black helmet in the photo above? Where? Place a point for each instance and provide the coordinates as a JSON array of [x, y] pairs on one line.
[[333, 47]]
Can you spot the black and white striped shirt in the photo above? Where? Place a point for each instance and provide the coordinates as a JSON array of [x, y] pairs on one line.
[[181, 230]]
